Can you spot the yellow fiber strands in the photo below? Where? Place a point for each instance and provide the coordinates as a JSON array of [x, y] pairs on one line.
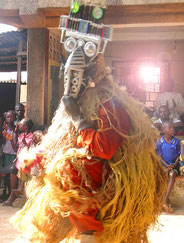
[[128, 201]]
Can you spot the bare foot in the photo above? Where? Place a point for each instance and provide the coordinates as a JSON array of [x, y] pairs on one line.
[[7, 203], [11, 199], [17, 192], [167, 208]]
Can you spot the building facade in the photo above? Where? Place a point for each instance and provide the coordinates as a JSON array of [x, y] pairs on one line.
[[148, 30]]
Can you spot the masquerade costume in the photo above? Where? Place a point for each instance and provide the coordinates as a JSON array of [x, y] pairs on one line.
[[101, 174]]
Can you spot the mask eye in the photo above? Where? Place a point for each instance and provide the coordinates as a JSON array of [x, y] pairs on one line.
[[70, 44], [90, 49], [97, 13], [75, 7]]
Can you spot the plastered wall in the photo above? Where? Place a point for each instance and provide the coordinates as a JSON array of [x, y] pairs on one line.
[[153, 50]]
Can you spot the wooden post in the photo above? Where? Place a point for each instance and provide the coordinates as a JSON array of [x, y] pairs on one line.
[[19, 63], [46, 77]]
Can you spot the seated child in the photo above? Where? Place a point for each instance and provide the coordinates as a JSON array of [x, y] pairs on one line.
[[168, 148]]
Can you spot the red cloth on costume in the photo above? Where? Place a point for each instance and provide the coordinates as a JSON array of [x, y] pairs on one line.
[[102, 144]]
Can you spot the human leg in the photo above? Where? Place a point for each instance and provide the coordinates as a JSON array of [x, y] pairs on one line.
[[87, 238], [181, 168], [20, 190], [172, 177], [13, 196], [13, 181], [5, 180]]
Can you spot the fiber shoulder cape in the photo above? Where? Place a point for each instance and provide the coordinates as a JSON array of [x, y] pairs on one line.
[[128, 201]]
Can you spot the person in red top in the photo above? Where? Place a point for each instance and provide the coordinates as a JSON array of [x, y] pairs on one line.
[[31, 165], [25, 138]]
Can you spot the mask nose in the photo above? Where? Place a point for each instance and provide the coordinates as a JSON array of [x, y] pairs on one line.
[[76, 58], [73, 74]]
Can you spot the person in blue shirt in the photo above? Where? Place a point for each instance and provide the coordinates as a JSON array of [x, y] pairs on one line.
[[168, 148]]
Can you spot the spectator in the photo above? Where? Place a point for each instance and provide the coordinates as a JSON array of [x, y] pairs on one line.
[[19, 111], [9, 152], [29, 166], [174, 100], [25, 139], [33, 165], [164, 115], [168, 148]]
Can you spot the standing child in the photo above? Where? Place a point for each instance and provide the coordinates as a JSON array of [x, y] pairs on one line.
[[9, 151], [31, 160], [29, 165], [25, 139], [168, 147], [19, 112]]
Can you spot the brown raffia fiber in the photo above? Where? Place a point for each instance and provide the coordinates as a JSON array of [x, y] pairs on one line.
[[128, 201]]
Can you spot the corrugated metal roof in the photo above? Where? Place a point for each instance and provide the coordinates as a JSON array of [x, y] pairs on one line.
[[11, 81], [9, 43]]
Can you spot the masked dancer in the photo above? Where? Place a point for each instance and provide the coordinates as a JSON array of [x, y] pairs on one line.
[[102, 181]]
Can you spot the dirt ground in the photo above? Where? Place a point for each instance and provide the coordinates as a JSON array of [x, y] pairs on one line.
[[169, 230]]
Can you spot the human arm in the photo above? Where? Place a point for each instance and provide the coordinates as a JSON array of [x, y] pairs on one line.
[[176, 161], [179, 101], [159, 150], [182, 150], [175, 119], [157, 125], [167, 166], [103, 142], [164, 163], [25, 140], [73, 111], [4, 132], [12, 140], [4, 137], [178, 124]]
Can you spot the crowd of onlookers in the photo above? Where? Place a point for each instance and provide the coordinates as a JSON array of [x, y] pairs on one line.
[[168, 117], [16, 134]]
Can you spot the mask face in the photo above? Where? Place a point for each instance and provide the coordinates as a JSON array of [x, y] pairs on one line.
[[84, 38]]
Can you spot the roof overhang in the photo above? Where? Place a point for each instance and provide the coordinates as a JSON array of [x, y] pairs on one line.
[[118, 15], [9, 50]]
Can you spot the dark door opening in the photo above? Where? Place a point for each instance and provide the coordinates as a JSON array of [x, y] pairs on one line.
[[7, 97]]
